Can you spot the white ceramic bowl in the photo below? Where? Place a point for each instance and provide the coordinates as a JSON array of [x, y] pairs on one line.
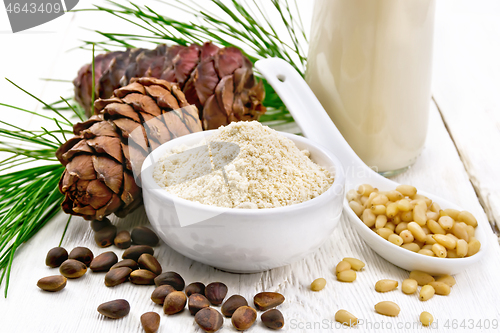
[[244, 240]]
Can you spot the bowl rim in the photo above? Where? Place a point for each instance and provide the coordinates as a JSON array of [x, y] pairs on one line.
[[149, 184], [414, 255]]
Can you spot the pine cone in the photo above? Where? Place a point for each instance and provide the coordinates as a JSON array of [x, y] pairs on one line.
[[108, 149], [219, 81]]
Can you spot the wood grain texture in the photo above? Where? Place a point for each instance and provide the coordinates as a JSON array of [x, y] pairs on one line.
[[466, 85]]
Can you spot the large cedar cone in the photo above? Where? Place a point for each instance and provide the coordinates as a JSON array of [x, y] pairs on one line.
[[101, 160], [219, 81]]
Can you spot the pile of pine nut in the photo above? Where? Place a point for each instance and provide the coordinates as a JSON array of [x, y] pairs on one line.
[[412, 221]]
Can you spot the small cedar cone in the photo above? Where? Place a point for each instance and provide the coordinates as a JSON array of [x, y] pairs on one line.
[[100, 159], [219, 81]]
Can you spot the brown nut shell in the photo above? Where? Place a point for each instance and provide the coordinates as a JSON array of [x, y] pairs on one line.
[[117, 276], [82, 254], [209, 320], [196, 302], [150, 322], [103, 262], [195, 288], [116, 309], [267, 300], [134, 252], [171, 278], [56, 256], [159, 294], [123, 240], [174, 302], [216, 292], [233, 303], [144, 236], [126, 263], [72, 269], [106, 236], [97, 225], [147, 261], [52, 283], [273, 319], [142, 276], [243, 318]]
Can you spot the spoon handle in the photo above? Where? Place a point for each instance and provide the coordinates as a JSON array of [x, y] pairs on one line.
[[310, 114]]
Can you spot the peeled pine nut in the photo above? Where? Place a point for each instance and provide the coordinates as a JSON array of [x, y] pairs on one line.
[[440, 288], [446, 241], [426, 293], [400, 227], [474, 247], [356, 207], [435, 227], [429, 240], [426, 252], [470, 231], [394, 195], [427, 247], [346, 318], [422, 278], [452, 254], [368, 218], [432, 215], [423, 198], [396, 220], [407, 237], [404, 205], [426, 318], [395, 239], [378, 209], [390, 226], [411, 246], [462, 248], [439, 250], [453, 213], [385, 285], [368, 202], [352, 195], [460, 230], [356, 264], [419, 215], [365, 189], [363, 200], [409, 286], [417, 231], [407, 216], [407, 190], [380, 221], [426, 230], [448, 279], [318, 284], [380, 199], [347, 276], [446, 222], [468, 218], [455, 238], [392, 210], [384, 232], [387, 308], [342, 266]]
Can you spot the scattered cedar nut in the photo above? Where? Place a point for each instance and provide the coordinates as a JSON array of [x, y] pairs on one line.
[[52, 283], [105, 236], [159, 294], [195, 288], [196, 302], [123, 240], [103, 262], [118, 308], [171, 278], [142, 276], [82, 254], [150, 322], [243, 318], [266, 300], [147, 261], [144, 236], [117, 276], [134, 252], [233, 303], [97, 225], [72, 269], [209, 320], [126, 263], [215, 292], [56, 256], [174, 302], [273, 319]]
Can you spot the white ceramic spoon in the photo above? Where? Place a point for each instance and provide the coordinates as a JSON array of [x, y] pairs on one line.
[[317, 126]]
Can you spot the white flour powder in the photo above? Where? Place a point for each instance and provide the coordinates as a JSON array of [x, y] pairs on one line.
[[269, 171]]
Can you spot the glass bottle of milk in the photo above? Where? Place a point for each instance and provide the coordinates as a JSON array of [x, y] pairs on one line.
[[370, 64]]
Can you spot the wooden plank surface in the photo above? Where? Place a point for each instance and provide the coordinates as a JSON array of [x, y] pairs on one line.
[[440, 170]]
